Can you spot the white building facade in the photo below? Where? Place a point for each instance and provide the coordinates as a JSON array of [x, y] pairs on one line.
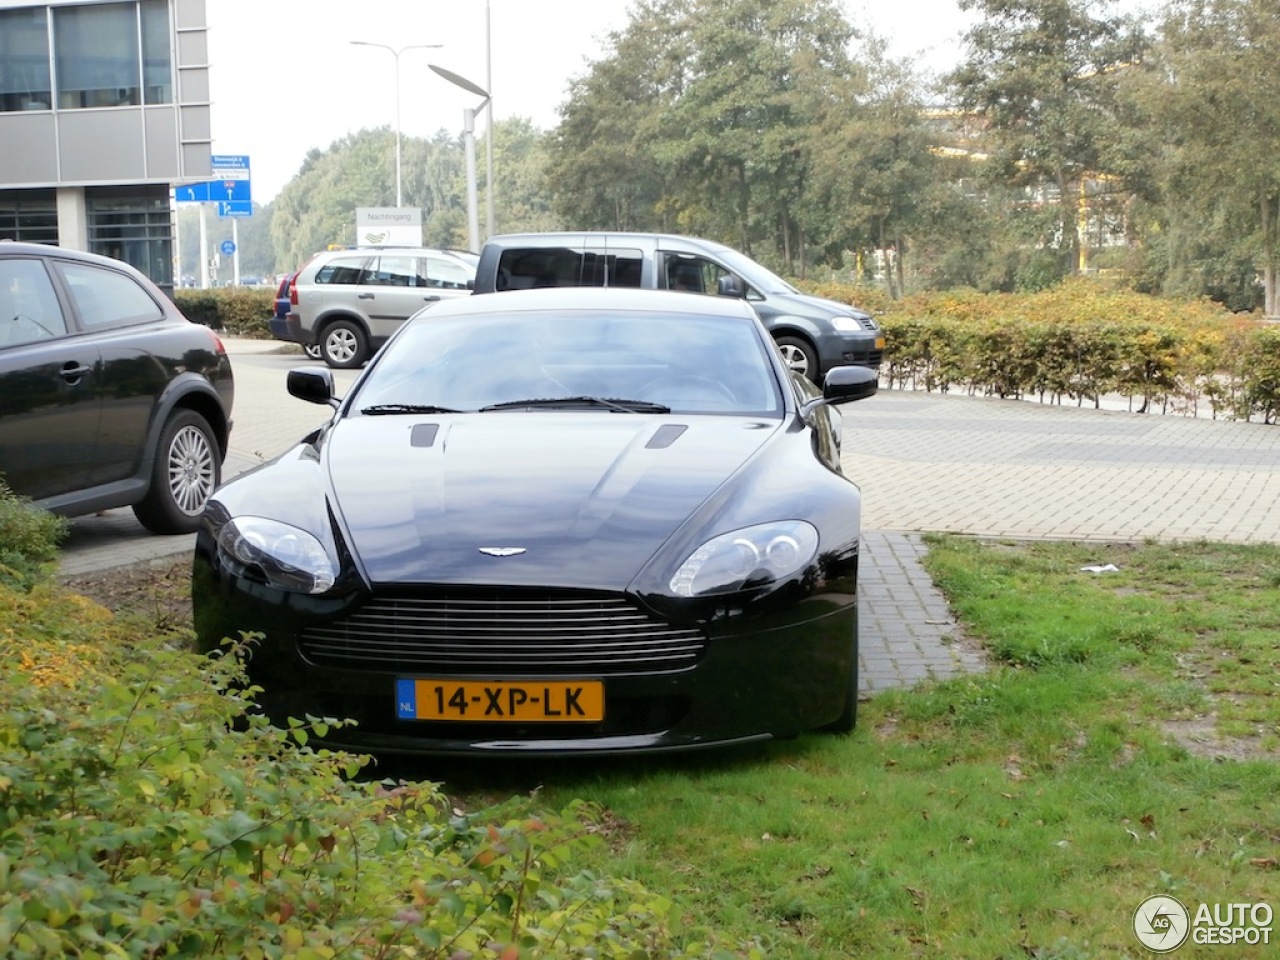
[[104, 106]]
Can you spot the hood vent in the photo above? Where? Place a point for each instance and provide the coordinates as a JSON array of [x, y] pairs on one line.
[[666, 435], [424, 434]]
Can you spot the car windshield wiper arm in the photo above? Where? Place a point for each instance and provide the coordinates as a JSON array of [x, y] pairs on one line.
[[386, 408], [612, 403]]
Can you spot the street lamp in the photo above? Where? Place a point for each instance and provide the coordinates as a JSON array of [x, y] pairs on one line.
[[469, 141], [395, 52]]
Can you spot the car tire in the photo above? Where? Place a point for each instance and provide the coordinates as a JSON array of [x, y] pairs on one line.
[[343, 345], [187, 468], [799, 356], [312, 350], [848, 718]]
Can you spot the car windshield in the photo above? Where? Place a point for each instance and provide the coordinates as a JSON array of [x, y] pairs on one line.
[[605, 362]]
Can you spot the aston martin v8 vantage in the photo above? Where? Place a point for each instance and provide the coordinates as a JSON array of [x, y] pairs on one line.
[[565, 521]]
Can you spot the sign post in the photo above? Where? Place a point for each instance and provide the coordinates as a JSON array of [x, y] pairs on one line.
[[230, 191]]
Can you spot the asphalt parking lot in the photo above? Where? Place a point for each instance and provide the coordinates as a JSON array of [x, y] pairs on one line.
[[925, 462]]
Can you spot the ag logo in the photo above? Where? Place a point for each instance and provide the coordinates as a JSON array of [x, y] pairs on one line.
[[1161, 924]]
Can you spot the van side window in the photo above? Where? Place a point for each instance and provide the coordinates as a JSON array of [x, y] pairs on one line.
[[521, 269]]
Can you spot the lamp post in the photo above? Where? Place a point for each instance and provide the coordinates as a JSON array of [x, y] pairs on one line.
[[395, 52], [469, 141]]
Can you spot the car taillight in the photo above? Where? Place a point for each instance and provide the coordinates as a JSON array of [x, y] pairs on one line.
[[293, 292]]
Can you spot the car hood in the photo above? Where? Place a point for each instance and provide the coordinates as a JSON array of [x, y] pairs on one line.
[[802, 304], [586, 498]]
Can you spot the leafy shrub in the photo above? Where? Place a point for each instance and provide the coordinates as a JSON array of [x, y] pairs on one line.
[[145, 811], [29, 539], [240, 311], [1079, 340]]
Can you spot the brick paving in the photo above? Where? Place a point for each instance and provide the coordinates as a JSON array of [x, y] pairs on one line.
[[925, 462]]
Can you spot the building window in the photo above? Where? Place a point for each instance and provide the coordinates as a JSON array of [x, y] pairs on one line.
[[24, 60], [157, 64], [113, 54], [29, 215], [133, 225]]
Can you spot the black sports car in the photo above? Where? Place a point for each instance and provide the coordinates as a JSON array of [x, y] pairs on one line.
[[561, 521]]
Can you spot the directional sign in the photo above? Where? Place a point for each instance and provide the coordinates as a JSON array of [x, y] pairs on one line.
[[235, 208], [192, 193], [227, 247], [230, 183], [229, 166]]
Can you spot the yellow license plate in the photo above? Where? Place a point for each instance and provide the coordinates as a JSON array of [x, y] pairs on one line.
[[524, 701]]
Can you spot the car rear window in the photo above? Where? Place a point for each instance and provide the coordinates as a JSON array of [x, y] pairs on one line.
[[523, 268], [105, 298]]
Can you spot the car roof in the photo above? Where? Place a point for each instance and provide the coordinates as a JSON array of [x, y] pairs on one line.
[[595, 298], [372, 251], [598, 236], [20, 248]]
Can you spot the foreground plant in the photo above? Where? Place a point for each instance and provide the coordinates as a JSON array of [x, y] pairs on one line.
[[146, 811]]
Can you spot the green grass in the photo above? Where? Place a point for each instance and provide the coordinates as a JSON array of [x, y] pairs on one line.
[[1125, 742]]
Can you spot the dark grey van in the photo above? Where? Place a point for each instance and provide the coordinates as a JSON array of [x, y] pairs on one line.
[[813, 334]]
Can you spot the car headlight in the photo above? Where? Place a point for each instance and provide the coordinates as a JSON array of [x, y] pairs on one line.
[[289, 558], [752, 556], [848, 324]]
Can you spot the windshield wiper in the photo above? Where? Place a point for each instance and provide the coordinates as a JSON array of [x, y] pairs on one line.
[[385, 408], [612, 403]]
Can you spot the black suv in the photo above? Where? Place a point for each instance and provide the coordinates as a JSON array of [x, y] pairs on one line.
[[109, 396]]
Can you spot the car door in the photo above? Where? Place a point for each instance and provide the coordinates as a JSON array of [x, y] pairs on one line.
[[394, 290], [121, 316], [447, 277], [50, 405]]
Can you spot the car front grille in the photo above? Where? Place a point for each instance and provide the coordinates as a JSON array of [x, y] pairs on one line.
[[509, 631]]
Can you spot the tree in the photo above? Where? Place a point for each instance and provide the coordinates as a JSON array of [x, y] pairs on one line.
[[702, 119], [1214, 103], [1042, 75], [873, 167], [602, 164]]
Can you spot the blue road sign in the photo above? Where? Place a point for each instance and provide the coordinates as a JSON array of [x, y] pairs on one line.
[[230, 183], [192, 193], [227, 247], [235, 208]]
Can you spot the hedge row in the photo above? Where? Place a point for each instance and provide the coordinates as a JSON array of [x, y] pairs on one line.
[[146, 811], [237, 311], [1079, 342]]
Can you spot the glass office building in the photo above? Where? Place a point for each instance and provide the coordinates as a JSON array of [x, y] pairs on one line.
[[104, 105]]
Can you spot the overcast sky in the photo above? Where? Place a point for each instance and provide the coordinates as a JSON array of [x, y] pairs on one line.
[[285, 76]]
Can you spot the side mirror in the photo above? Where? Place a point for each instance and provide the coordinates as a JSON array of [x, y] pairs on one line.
[[312, 384], [731, 285], [846, 384]]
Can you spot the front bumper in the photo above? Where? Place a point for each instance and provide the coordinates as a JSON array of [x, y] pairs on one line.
[[758, 678], [860, 349]]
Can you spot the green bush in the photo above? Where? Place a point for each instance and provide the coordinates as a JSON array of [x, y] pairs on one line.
[[239, 311], [1079, 340], [29, 539], [146, 811]]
